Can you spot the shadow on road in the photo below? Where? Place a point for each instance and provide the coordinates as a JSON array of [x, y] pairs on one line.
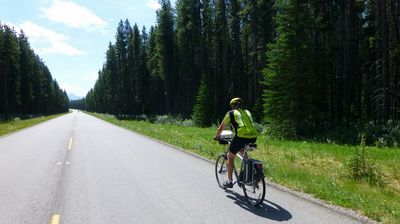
[[267, 209]]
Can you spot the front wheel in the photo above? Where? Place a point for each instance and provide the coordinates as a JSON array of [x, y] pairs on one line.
[[221, 170], [255, 192]]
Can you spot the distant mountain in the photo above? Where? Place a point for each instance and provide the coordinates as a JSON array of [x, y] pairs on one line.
[[72, 96]]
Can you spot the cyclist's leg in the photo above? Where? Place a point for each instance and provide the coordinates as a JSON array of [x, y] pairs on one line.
[[235, 146], [229, 165]]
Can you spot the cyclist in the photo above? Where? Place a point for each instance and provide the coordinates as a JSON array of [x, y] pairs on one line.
[[245, 133]]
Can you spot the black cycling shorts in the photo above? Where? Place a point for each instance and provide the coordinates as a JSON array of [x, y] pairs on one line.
[[238, 143]]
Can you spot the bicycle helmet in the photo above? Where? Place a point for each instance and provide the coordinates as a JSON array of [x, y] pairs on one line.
[[236, 101]]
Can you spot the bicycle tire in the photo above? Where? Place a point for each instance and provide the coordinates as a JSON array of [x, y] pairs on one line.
[[256, 189], [221, 170]]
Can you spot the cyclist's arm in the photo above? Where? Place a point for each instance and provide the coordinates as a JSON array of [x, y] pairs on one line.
[[220, 129], [223, 124]]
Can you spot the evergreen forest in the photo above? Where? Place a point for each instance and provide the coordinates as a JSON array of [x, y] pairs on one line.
[[305, 68], [26, 86]]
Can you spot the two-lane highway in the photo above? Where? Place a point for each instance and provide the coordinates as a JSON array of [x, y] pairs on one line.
[[78, 169]]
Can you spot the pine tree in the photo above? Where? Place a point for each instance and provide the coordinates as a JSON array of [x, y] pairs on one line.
[[156, 86], [237, 68], [111, 68], [26, 75], [10, 72], [106, 94], [137, 75], [89, 101], [37, 85], [290, 78], [189, 44], [204, 109], [3, 76], [222, 60], [165, 53], [257, 32], [144, 73], [121, 45]]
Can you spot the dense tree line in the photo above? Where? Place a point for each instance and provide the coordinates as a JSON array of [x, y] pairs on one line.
[[77, 104], [333, 63], [302, 66], [26, 84], [204, 51]]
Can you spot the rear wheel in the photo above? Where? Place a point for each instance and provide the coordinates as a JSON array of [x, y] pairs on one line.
[[255, 192], [221, 170]]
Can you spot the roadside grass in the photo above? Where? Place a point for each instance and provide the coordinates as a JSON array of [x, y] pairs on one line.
[[315, 168], [9, 126]]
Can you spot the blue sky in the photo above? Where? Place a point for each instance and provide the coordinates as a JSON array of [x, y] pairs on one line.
[[71, 36]]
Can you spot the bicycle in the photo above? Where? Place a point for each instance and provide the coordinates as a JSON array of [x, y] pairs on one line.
[[250, 177]]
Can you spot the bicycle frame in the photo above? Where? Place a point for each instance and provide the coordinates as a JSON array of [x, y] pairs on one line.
[[242, 158]]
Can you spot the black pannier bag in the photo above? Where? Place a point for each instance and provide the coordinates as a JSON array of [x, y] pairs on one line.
[[258, 170], [252, 171]]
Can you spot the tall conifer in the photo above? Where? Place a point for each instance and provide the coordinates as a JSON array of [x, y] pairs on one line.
[[290, 77]]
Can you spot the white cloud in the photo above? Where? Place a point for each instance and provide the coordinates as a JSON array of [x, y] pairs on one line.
[[153, 4], [77, 90], [72, 15], [57, 41], [61, 47]]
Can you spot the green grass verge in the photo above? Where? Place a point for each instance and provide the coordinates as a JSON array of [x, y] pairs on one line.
[[315, 168], [7, 127]]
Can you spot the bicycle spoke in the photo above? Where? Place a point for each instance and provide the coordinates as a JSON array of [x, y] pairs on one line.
[[221, 170], [255, 192]]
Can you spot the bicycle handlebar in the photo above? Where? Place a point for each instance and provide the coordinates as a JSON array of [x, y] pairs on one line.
[[221, 141]]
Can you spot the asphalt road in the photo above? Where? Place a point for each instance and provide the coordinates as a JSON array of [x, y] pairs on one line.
[[78, 169]]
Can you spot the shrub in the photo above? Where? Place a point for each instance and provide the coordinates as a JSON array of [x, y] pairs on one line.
[[174, 120], [284, 130], [142, 117], [260, 128], [382, 135], [186, 122], [161, 119], [110, 116], [362, 168], [376, 134]]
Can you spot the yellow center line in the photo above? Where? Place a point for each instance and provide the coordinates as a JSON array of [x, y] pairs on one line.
[[70, 144], [55, 219]]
